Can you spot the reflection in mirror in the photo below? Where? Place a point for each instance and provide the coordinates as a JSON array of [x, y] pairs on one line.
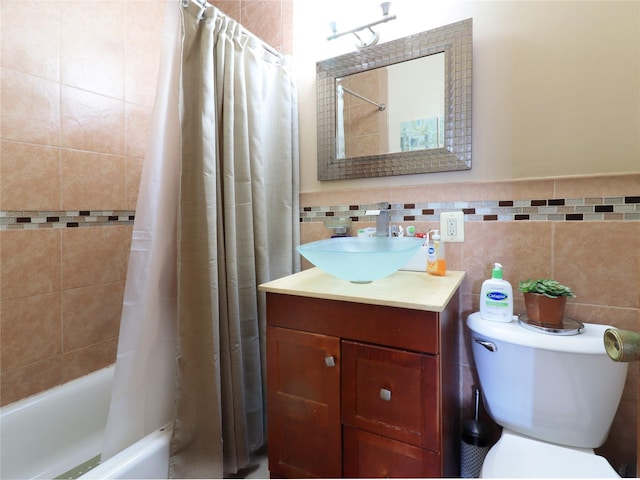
[[398, 108], [402, 107]]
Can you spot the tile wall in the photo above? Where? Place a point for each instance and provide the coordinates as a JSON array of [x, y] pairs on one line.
[[584, 231], [365, 126], [77, 86]]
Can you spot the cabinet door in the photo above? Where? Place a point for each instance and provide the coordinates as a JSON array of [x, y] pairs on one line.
[[392, 392], [303, 404], [367, 455]]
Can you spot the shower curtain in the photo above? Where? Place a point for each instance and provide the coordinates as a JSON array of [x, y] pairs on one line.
[[235, 191], [238, 226]]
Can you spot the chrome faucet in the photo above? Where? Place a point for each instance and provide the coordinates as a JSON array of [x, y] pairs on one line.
[[382, 219]]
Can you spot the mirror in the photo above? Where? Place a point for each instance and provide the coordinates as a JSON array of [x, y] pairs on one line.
[[378, 112], [368, 121]]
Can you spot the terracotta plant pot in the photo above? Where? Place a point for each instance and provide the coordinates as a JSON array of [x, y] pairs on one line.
[[545, 310]]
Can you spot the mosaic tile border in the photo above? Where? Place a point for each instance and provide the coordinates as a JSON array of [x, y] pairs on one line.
[[24, 220], [623, 208]]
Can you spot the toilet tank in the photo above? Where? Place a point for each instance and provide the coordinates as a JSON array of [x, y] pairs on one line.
[[559, 389]]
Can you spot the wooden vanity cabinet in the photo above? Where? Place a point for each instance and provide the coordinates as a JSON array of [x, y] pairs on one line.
[[361, 390]]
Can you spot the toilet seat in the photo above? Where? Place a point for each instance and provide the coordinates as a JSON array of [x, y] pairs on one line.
[[517, 456]]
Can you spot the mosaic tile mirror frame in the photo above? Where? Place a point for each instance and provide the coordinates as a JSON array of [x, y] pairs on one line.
[[456, 42]]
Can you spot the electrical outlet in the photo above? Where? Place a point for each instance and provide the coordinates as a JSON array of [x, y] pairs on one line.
[[452, 226]]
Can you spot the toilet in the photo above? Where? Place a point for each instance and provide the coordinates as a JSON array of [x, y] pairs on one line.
[[554, 394]]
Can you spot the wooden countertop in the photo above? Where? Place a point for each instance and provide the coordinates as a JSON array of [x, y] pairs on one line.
[[407, 289]]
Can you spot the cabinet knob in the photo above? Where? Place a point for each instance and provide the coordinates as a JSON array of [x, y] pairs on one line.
[[385, 394], [329, 361]]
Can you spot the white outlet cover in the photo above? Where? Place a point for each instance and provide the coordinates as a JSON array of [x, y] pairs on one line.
[[458, 218]]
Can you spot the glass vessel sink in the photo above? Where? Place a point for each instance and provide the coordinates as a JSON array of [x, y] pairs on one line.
[[361, 259]]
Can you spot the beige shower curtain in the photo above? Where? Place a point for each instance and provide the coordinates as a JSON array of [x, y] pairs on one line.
[[237, 228]]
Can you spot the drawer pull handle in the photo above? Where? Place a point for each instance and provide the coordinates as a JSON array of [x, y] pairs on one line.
[[385, 394], [329, 361]]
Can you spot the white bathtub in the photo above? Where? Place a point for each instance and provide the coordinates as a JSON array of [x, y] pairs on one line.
[[54, 432]]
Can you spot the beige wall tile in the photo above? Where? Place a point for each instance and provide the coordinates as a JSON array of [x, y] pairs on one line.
[[133, 173], [141, 75], [92, 63], [30, 43], [31, 330], [523, 248], [92, 181], [91, 314], [30, 109], [92, 122], [263, 19], [30, 263], [230, 7], [27, 380], [144, 22], [599, 260], [137, 121], [100, 17], [86, 360], [30, 177], [94, 255]]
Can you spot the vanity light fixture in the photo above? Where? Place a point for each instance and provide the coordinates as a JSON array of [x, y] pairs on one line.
[[374, 36]]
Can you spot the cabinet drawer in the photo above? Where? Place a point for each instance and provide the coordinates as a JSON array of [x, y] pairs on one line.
[[376, 324], [373, 456], [392, 393]]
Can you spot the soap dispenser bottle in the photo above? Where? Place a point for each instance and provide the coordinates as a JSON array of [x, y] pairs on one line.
[[436, 262], [496, 297]]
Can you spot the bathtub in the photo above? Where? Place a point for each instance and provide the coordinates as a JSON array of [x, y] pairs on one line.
[[59, 432]]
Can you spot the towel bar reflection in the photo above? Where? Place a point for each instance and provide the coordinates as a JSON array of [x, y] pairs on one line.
[[381, 106]]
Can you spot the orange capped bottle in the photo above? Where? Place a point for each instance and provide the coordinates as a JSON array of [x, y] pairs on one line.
[[436, 262]]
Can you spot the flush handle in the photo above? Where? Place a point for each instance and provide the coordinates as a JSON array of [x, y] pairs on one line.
[[486, 344]]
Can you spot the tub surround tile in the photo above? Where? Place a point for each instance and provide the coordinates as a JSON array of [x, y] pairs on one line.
[[30, 263], [93, 256], [30, 108], [32, 220], [132, 174], [86, 116], [30, 176], [78, 363], [103, 18], [30, 330], [22, 382], [143, 24], [79, 50], [102, 304], [141, 76], [137, 118], [77, 89], [36, 53], [92, 181]]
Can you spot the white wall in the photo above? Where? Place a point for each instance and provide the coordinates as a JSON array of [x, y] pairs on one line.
[[556, 83]]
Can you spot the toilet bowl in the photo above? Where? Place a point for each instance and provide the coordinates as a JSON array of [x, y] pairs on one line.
[[555, 397], [516, 456]]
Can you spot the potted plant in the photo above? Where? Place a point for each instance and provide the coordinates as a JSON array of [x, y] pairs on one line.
[[545, 300]]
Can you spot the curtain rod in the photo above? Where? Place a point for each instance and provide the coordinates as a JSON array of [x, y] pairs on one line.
[[203, 5], [381, 106]]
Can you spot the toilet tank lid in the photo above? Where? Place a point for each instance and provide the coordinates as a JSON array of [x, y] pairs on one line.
[[590, 341]]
